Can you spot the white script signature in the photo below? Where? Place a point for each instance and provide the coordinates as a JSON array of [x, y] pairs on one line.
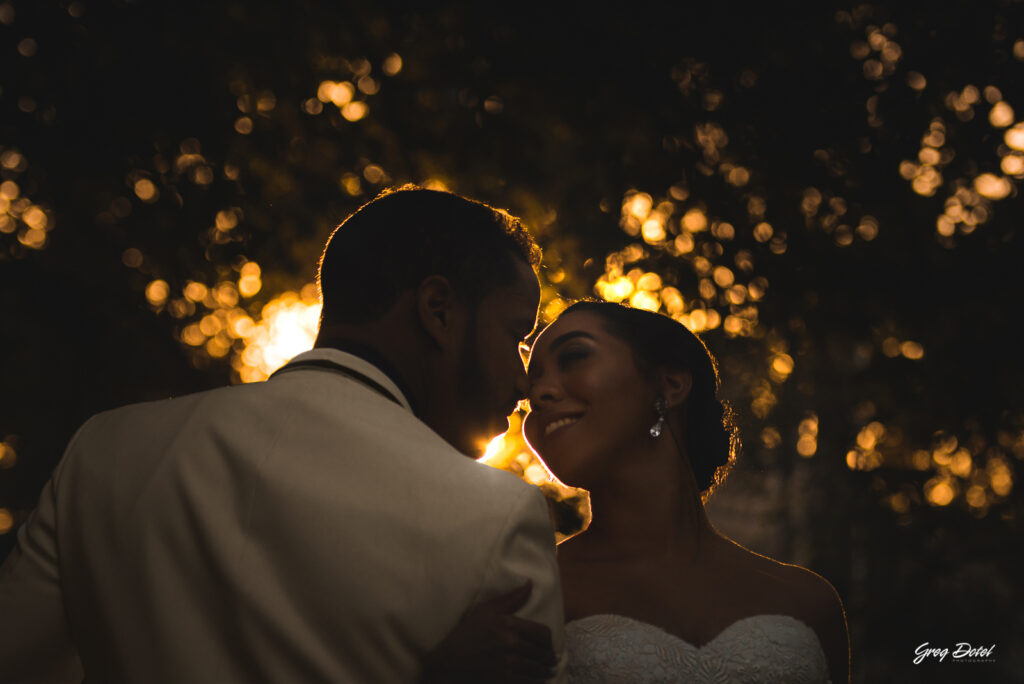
[[962, 650]]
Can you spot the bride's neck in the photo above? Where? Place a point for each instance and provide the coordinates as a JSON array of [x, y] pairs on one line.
[[648, 509]]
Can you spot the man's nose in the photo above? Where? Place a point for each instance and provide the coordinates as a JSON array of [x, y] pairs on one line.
[[522, 383]]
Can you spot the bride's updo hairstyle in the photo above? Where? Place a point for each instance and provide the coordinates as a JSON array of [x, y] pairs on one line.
[[657, 341]]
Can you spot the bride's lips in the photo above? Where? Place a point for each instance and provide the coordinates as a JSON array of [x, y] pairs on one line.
[[559, 422]]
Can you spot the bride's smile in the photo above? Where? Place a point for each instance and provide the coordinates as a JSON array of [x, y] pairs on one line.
[[560, 423]]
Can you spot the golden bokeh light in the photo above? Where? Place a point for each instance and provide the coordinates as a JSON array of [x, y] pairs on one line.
[[684, 243], [6, 521], [940, 491], [976, 496], [157, 292], [354, 111], [1001, 115], [1000, 475], [807, 442], [961, 464], [653, 230], [673, 301], [922, 459], [992, 186], [1014, 137], [569, 506], [763, 231], [392, 64], [287, 326], [1013, 165], [145, 190], [723, 277], [771, 438], [645, 300], [339, 94], [781, 367], [249, 282], [694, 221], [899, 502], [195, 291], [33, 238], [912, 350], [8, 456], [916, 80]]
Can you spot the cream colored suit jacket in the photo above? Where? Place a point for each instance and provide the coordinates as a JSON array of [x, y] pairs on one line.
[[304, 529]]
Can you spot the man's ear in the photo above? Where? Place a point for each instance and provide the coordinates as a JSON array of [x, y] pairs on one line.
[[675, 385], [438, 309]]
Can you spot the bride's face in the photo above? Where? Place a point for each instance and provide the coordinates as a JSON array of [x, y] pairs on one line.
[[588, 401]]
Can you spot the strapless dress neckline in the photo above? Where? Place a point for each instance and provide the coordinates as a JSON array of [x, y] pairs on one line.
[[757, 649]]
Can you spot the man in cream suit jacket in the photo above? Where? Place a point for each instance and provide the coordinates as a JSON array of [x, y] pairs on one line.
[[327, 524]]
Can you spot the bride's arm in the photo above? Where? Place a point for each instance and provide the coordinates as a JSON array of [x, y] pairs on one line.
[[491, 644]]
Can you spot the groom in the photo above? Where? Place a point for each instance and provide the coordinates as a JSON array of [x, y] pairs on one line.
[[327, 524]]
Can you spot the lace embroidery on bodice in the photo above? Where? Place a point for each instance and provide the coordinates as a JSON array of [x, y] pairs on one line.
[[761, 649]]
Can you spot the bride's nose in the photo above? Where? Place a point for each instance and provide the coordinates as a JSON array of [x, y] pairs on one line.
[[544, 391]]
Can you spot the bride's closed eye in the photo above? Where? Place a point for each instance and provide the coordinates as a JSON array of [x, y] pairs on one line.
[[570, 355]]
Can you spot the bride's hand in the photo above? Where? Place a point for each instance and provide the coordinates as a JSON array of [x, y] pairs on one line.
[[492, 644]]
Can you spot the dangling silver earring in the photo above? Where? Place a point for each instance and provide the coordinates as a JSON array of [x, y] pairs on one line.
[[662, 409]]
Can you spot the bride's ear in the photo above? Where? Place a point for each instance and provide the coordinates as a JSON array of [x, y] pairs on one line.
[[675, 385]]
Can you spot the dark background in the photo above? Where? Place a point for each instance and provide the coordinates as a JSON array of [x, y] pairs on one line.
[[558, 114]]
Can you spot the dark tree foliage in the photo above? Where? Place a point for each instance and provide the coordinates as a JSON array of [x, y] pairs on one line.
[[562, 115]]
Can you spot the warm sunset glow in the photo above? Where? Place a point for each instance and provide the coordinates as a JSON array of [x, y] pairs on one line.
[[570, 506], [287, 326]]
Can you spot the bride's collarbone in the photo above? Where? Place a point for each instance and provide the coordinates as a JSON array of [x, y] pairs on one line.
[[695, 601]]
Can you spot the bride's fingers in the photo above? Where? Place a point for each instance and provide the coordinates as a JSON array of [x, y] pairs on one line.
[[535, 633], [509, 603], [514, 644], [518, 669]]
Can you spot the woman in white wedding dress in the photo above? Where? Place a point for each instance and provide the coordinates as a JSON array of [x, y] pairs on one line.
[[624, 403]]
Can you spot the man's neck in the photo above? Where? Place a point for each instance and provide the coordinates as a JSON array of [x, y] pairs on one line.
[[367, 353]]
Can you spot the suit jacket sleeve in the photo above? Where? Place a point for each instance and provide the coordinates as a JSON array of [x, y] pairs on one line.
[[526, 550], [35, 638]]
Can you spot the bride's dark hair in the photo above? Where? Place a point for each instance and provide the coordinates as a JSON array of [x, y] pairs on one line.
[[657, 341]]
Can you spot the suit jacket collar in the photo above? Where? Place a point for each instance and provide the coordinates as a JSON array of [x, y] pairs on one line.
[[355, 359]]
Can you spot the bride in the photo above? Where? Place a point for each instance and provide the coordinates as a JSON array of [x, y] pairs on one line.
[[623, 403]]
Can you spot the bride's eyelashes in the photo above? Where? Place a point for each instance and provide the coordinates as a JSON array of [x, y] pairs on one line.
[[569, 356]]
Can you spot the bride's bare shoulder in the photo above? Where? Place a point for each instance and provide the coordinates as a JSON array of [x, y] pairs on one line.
[[798, 584], [809, 597]]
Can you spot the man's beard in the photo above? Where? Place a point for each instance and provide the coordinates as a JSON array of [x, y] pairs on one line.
[[474, 396]]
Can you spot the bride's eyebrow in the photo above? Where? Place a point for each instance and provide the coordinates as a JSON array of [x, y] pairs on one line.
[[531, 371], [571, 335]]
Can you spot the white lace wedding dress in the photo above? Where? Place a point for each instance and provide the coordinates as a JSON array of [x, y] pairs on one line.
[[761, 649]]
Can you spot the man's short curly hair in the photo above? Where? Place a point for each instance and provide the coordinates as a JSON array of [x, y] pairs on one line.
[[404, 235]]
